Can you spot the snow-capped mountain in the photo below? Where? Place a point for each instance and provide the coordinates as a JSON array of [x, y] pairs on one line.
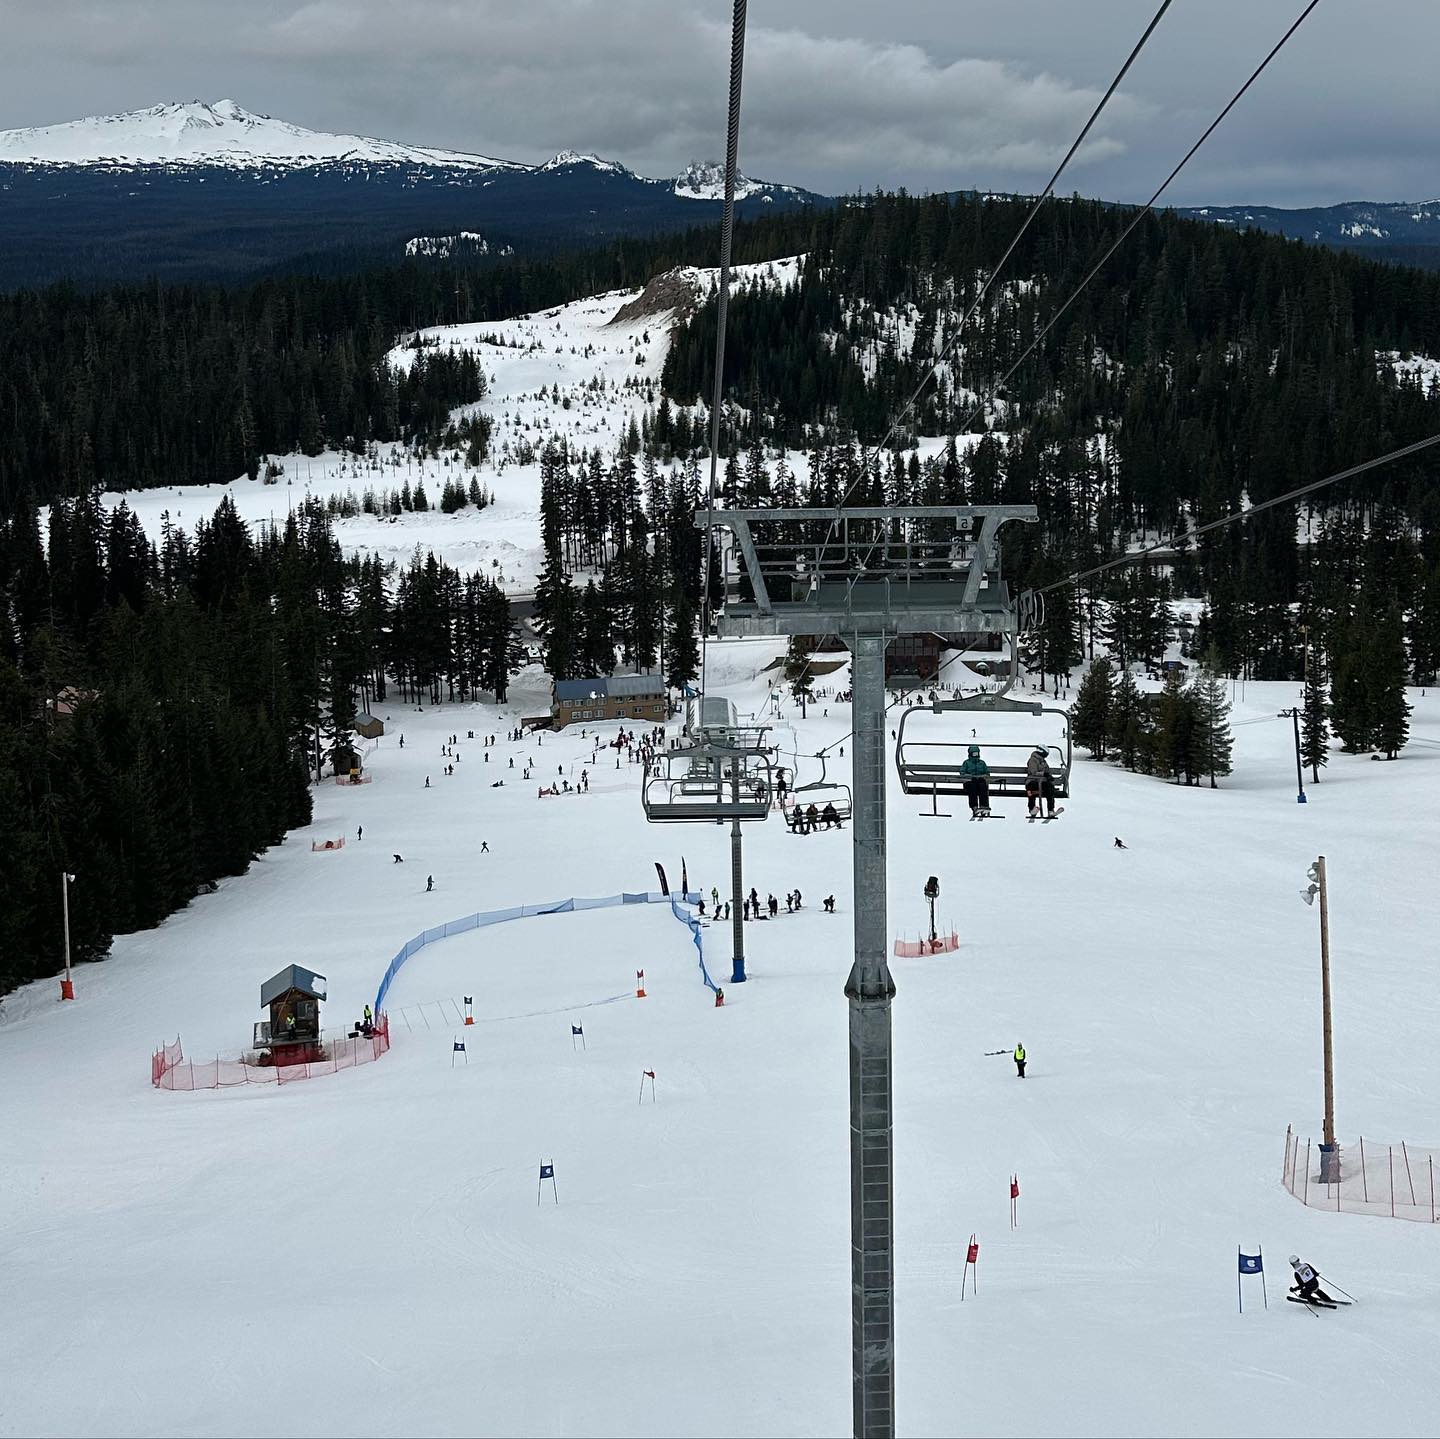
[[195, 133], [707, 182], [1407, 229], [199, 190]]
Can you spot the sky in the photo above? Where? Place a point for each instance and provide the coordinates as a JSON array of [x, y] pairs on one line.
[[839, 95]]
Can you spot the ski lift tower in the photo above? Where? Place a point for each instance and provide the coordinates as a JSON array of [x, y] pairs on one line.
[[869, 574]]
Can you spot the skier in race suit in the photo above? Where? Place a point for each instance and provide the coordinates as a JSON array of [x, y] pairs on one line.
[[976, 774], [1307, 1282]]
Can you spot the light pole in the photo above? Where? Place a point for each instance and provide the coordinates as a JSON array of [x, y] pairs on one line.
[[1329, 1153], [67, 986], [1294, 714], [932, 893]]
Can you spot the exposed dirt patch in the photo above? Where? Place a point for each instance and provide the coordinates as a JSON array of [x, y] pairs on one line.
[[676, 292]]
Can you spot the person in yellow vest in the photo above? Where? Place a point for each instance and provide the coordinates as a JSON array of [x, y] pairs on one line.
[[1020, 1060]]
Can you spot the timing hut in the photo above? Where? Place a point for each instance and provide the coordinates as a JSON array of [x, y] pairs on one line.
[[616, 697], [292, 1033]]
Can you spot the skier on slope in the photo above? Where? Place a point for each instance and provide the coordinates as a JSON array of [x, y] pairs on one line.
[[1039, 782], [1307, 1282], [976, 774]]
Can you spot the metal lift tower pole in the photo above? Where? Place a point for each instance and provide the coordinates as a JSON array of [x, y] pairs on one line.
[[869, 991], [870, 573], [737, 887]]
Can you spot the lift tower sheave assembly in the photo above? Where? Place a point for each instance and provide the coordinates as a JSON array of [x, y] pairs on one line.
[[869, 574]]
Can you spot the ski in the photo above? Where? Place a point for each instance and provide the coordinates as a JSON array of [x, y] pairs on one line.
[[1056, 815], [1311, 1303]]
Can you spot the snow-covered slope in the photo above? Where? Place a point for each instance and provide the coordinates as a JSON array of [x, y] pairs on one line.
[[382, 1225], [224, 133]]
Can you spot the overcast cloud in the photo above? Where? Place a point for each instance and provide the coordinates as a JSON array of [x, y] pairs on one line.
[[839, 95]]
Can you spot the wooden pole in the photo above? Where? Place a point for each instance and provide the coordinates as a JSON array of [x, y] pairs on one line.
[[1325, 1004]]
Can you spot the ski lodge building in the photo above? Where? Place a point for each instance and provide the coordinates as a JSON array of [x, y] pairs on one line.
[[618, 697]]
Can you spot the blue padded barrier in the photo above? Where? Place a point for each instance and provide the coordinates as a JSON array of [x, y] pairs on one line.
[[503, 916]]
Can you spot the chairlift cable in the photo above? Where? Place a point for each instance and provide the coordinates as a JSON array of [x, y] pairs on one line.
[[722, 300], [1138, 216], [1040, 202], [1193, 532], [1035, 208]]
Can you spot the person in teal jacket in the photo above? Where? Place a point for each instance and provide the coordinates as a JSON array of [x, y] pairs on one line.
[[976, 774]]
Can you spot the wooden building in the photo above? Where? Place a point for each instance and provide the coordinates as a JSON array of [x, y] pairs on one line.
[[369, 726], [638, 698], [292, 1033]]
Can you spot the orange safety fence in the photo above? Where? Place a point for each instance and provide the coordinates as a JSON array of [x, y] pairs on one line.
[[1391, 1181], [169, 1069], [914, 948]]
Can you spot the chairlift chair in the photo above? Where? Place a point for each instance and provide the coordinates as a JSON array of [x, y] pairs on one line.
[[710, 781], [932, 767], [822, 792]]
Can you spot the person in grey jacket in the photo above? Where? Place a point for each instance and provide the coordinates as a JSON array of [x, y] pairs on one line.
[[1039, 782]]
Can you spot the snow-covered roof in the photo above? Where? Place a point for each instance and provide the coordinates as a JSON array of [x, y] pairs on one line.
[[293, 976], [612, 686]]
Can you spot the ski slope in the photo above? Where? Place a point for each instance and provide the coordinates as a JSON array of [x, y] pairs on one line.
[[364, 1253]]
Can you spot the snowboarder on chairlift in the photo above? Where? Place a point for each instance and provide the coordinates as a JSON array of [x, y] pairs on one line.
[[976, 774], [1039, 782], [1307, 1282]]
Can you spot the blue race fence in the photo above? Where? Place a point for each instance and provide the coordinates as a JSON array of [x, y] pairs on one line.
[[525, 911], [694, 926]]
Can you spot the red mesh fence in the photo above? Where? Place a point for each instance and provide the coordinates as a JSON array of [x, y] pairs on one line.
[[169, 1069], [1394, 1181], [914, 948]]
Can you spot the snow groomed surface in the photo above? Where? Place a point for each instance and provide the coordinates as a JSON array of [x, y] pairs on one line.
[[527, 911]]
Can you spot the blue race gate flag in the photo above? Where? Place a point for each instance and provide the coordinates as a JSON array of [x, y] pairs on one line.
[[577, 1029], [1250, 1264], [547, 1171]]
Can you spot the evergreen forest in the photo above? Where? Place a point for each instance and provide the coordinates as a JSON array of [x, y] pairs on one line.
[[166, 706]]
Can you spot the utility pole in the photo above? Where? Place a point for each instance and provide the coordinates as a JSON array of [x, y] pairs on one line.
[[67, 985], [1329, 1153], [1294, 714]]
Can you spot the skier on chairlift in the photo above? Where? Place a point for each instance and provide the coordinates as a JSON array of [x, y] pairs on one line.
[[1039, 783], [976, 774]]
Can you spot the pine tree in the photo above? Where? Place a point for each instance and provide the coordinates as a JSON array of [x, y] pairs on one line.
[[682, 649], [1173, 745], [1386, 676], [1314, 722], [1129, 722], [797, 672], [1213, 741], [1351, 693], [1090, 714]]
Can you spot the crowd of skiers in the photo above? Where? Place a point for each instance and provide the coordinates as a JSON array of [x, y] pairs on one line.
[[753, 907]]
